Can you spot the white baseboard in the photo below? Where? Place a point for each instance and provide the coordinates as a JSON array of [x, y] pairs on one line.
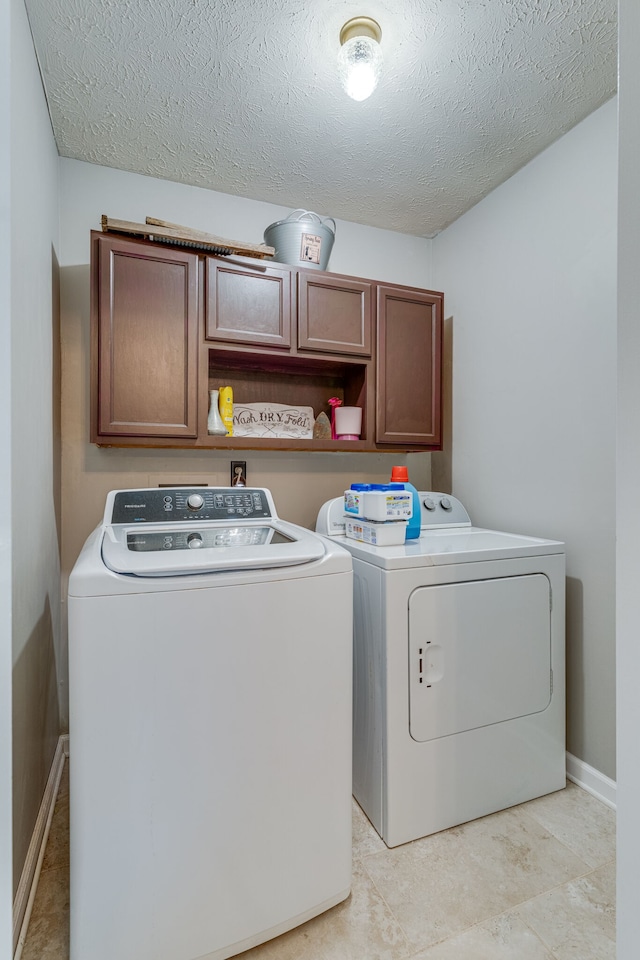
[[591, 780], [26, 892]]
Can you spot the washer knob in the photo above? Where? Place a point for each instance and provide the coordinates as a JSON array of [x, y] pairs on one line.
[[194, 540], [445, 503], [429, 503], [195, 501]]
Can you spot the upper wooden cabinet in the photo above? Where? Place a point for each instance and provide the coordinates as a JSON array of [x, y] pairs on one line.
[[169, 325], [144, 340], [408, 382], [248, 304], [335, 314], [295, 310]]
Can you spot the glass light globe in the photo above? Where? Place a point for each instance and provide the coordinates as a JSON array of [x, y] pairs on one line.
[[360, 65]]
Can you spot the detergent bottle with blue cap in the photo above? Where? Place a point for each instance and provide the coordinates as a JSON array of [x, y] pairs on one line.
[[401, 475]]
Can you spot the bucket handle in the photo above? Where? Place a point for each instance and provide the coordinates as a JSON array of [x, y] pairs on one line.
[[310, 214]]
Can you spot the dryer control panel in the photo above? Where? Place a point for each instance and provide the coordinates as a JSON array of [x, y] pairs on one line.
[[437, 510], [441, 510], [164, 504]]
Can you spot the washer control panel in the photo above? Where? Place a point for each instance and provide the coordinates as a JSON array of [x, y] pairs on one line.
[[180, 504]]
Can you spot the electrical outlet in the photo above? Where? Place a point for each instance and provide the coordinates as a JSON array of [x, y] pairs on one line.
[[238, 473]]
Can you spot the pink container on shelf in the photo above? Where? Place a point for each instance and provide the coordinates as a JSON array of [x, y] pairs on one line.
[[348, 422]]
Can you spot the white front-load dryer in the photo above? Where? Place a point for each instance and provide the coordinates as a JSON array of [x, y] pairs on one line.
[[459, 671], [210, 651]]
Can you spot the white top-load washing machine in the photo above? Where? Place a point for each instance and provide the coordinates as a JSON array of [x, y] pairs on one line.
[[459, 671], [210, 650]]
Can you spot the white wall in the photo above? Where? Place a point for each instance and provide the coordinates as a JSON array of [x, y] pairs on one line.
[[88, 191], [6, 863], [529, 277], [628, 485], [34, 467]]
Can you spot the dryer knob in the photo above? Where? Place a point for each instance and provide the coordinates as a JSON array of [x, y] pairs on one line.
[[445, 503], [429, 503], [195, 501], [194, 540]]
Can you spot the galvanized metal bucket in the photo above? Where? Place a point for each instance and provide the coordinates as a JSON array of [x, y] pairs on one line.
[[304, 239]]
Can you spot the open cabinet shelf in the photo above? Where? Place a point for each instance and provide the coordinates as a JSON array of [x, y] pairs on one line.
[[295, 381]]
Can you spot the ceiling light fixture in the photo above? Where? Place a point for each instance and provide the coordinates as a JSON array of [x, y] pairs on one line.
[[360, 57]]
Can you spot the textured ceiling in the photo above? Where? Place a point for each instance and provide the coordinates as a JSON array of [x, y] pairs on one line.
[[242, 96]]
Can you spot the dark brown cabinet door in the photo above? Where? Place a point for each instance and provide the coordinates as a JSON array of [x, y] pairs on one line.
[[248, 305], [409, 360], [334, 314], [145, 340]]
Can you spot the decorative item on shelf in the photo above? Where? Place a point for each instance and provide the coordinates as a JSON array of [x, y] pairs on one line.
[[348, 422], [215, 425], [322, 427], [275, 421], [226, 408], [333, 403], [303, 239]]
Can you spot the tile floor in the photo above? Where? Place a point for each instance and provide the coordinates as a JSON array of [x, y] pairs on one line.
[[536, 882]]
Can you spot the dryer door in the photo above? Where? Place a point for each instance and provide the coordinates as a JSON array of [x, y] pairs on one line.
[[479, 653]]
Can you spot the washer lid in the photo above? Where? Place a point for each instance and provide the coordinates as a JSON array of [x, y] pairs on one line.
[[155, 532], [183, 549]]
